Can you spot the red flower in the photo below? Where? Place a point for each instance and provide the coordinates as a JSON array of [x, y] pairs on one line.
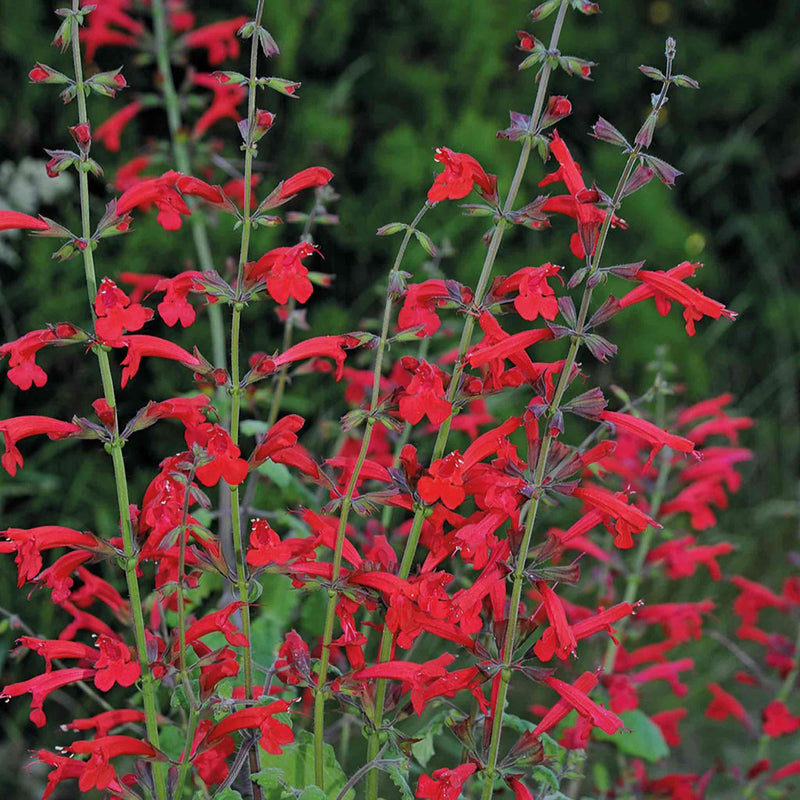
[[778, 721], [220, 622], [115, 664], [419, 304], [666, 287], [99, 773], [578, 204], [425, 395], [461, 173], [110, 131], [315, 347], [444, 784], [725, 705], [274, 734], [24, 372], [15, 220], [166, 193], [43, 685], [175, 307], [104, 722], [16, 428], [116, 314], [305, 179], [668, 722], [535, 297], [629, 519], [218, 39], [285, 273], [140, 345], [223, 106], [98, 32], [651, 433], [224, 455], [601, 718]]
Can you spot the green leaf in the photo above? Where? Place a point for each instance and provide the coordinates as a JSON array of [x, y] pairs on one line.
[[171, 741], [544, 775], [644, 740], [228, 794], [297, 764], [277, 473], [517, 723], [397, 774]]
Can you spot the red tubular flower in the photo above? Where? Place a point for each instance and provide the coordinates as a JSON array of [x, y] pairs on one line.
[[778, 721], [425, 396], [559, 627], [601, 718], [280, 445], [218, 39], [285, 273], [308, 178], [419, 304], [224, 105], [535, 297], [315, 347], [16, 428], [578, 204], [105, 722], [24, 372], [175, 307], [140, 345], [274, 734], [99, 773], [444, 784], [629, 519], [668, 722], [225, 462], [115, 664], [43, 685], [415, 676], [110, 131], [666, 287], [655, 436], [166, 193], [461, 173], [50, 649], [116, 314], [220, 622], [15, 220], [725, 705], [98, 32]]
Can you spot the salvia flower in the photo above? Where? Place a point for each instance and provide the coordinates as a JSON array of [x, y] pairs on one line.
[[461, 173]]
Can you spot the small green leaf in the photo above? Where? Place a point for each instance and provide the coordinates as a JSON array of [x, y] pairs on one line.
[[644, 740]]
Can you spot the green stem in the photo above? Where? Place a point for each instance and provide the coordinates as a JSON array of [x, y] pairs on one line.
[[522, 557], [444, 431], [347, 500], [181, 154], [187, 750], [242, 573], [115, 446]]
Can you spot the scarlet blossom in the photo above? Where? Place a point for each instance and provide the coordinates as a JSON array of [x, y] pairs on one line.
[[98, 31], [116, 314], [16, 220], [535, 297], [444, 784], [115, 664], [50, 649], [666, 287], [778, 721], [668, 722], [110, 131], [218, 39], [629, 519], [274, 734], [419, 304], [99, 773], [657, 437], [218, 621], [166, 193], [284, 272], [308, 178], [315, 347], [605, 720], [461, 173], [266, 546], [680, 621], [175, 307], [234, 189], [425, 396], [225, 462], [682, 557], [579, 203], [106, 721], [224, 104], [64, 769], [725, 705], [24, 372], [41, 73], [16, 428], [140, 345], [42, 686], [281, 446]]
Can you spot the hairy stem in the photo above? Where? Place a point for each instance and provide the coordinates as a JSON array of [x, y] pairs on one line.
[[347, 500], [115, 446]]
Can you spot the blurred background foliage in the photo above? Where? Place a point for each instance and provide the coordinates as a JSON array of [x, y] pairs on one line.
[[383, 85]]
